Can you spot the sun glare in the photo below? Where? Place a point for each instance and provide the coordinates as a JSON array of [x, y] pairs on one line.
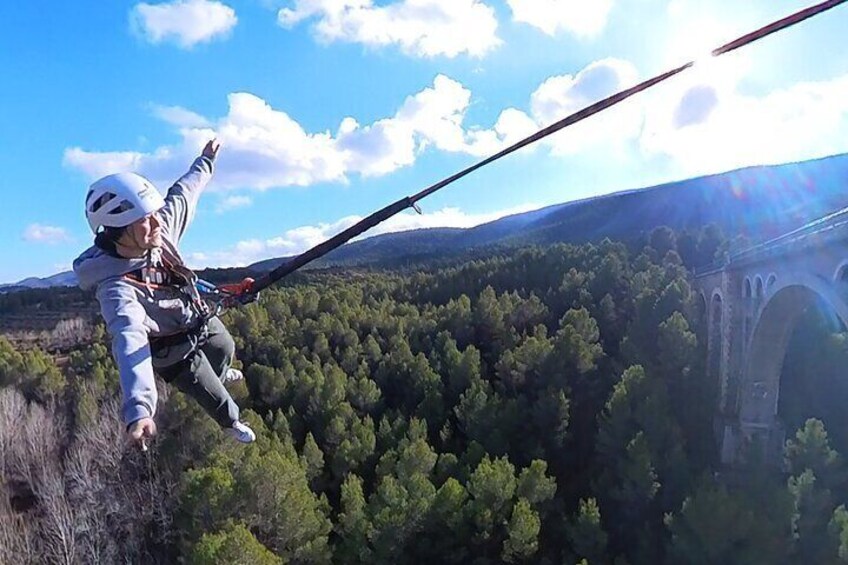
[[694, 40]]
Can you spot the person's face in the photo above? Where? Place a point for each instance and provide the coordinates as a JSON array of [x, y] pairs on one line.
[[145, 233]]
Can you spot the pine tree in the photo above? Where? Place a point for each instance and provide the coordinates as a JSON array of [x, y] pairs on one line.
[[353, 526], [235, 545], [522, 540], [586, 534]]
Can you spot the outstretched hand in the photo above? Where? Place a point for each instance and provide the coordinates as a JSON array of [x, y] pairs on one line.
[[211, 149], [141, 431]]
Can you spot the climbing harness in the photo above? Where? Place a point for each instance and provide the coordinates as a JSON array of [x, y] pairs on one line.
[[221, 297], [208, 301]]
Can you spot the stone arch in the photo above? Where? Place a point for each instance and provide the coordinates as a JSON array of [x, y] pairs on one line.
[[770, 282], [772, 329], [716, 310], [702, 313], [747, 306], [715, 346], [841, 273], [759, 288]]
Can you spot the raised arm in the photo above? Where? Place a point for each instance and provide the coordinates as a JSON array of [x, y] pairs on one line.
[[181, 201]]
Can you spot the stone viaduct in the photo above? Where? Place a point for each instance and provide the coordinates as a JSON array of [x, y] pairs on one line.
[[751, 305]]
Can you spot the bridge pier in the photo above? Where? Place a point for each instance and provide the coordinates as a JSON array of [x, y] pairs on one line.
[[753, 303], [740, 441]]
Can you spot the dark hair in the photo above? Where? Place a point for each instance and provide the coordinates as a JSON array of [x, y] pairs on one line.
[[107, 239]]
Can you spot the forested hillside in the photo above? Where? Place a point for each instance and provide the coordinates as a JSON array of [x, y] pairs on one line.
[[543, 406]]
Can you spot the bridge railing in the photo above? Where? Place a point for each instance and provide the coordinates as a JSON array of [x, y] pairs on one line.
[[829, 222]]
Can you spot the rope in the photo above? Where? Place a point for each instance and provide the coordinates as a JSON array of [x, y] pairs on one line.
[[625, 94], [410, 201]]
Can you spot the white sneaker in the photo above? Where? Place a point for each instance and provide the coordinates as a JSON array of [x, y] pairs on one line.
[[232, 375], [241, 432]]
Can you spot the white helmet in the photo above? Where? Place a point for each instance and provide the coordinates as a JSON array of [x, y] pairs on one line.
[[118, 200]]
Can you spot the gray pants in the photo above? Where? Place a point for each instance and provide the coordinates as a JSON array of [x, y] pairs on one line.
[[198, 371]]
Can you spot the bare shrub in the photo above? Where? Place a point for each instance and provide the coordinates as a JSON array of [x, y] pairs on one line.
[[76, 496]]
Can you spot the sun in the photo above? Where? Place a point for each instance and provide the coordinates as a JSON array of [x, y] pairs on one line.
[[692, 34], [692, 37]]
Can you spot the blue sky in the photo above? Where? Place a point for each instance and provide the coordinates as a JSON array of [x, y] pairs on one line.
[[330, 109]]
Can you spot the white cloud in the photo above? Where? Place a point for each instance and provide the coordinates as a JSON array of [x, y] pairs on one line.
[[179, 116], [185, 22], [300, 239], [699, 121], [99, 164], [264, 147], [39, 233], [291, 242], [159, 166], [423, 28], [431, 117], [707, 127], [695, 28], [233, 202], [584, 18], [448, 217], [512, 126], [561, 96]]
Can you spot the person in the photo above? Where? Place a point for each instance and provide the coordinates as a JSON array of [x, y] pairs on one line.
[[154, 313]]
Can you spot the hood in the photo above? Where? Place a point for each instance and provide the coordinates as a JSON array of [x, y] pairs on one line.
[[95, 266]]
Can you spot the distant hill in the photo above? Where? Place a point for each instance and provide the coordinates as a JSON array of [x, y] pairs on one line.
[[65, 278], [756, 202], [376, 249]]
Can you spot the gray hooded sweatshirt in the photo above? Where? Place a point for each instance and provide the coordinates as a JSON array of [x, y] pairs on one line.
[[134, 312]]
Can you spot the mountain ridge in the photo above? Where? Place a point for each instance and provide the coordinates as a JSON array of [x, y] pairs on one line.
[[756, 202]]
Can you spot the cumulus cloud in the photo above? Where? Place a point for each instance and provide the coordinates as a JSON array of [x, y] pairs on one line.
[[185, 22], [696, 106], [298, 240], [232, 202], [560, 96], [179, 116], [700, 121], [161, 166], [99, 164], [706, 128], [584, 18], [265, 147], [422, 28], [448, 217], [40, 233]]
